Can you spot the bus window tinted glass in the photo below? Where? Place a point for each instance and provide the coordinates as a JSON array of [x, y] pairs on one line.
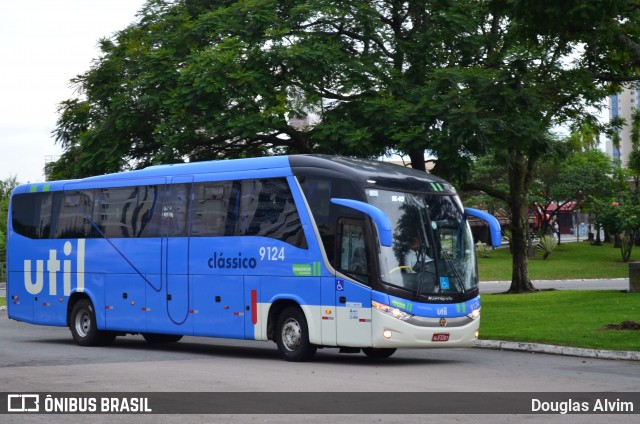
[[31, 214], [214, 209], [268, 210], [74, 214], [353, 253], [175, 211], [147, 217], [128, 211]]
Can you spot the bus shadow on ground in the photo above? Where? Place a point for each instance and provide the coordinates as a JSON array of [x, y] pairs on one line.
[[190, 347]]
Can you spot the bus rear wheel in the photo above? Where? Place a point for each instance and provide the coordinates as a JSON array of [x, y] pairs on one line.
[[292, 336], [381, 353], [83, 326]]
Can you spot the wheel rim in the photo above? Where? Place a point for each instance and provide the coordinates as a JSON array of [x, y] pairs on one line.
[[83, 323], [291, 334]]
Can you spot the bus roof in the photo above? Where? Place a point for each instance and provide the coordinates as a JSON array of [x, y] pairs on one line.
[[370, 173], [362, 170]]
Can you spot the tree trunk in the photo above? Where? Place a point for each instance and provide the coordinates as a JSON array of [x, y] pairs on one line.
[[626, 244], [519, 181], [598, 241], [417, 160]]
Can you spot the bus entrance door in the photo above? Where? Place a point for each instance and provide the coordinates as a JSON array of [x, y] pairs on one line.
[[353, 300]]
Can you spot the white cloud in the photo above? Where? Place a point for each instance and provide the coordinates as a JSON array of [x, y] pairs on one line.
[[43, 44]]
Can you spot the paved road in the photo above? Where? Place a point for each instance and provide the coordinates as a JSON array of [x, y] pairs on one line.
[[34, 358]]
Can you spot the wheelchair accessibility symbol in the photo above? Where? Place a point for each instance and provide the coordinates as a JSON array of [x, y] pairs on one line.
[[339, 285]]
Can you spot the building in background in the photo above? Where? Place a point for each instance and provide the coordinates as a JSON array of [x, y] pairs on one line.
[[623, 105]]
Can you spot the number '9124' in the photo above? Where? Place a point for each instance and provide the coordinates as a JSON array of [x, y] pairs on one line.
[[271, 253]]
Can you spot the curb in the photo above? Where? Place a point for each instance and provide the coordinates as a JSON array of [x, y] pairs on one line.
[[558, 350]]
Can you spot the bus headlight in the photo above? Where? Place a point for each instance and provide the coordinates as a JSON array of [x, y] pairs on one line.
[[475, 314], [391, 311]]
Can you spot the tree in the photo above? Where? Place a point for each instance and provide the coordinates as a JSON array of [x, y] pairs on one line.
[[634, 155], [540, 87], [580, 177], [621, 218], [208, 79], [203, 79], [6, 188]]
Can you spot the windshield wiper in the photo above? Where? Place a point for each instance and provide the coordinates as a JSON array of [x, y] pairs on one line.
[[450, 264]]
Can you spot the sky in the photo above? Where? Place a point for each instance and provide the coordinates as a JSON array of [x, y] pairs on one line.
[[43, 45]]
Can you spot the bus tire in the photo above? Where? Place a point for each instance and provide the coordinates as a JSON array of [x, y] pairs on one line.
[[292, 336], [84, 328], [381, 353], [153, 338]]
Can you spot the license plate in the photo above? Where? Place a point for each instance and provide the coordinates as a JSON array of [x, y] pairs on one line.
[[440, 337]]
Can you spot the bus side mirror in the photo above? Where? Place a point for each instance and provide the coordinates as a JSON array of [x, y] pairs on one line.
[[494, 225], [379, 218]]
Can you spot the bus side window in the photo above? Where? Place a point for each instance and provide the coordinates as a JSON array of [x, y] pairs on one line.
[[31, 214], [211, 208], [74, 214], [147, 215], [113, 213], [267, 209], [124, 212], [175, 211], [352, 249]]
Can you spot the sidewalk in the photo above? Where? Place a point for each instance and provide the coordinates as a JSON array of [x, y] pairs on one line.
[[558, 350], [3, 293]]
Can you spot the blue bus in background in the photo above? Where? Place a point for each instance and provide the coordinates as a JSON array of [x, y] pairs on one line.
[[308, 251]]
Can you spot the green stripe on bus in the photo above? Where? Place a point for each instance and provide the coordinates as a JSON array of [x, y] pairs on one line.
[[437, 187]]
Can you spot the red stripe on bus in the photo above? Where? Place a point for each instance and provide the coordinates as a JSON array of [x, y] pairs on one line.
[[254, 307]]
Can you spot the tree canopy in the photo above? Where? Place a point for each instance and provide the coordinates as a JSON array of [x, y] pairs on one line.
[[6, 187], [194, 80], [204, 79]]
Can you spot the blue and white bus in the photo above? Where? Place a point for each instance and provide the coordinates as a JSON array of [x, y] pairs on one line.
[[308, 251]]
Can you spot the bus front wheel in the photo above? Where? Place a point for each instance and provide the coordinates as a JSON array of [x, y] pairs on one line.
[[83, 326], [292, 336]]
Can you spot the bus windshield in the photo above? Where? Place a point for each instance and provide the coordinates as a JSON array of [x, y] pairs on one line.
[[432, 250]]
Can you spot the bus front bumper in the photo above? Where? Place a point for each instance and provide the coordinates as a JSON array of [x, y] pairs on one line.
[[390, 332]]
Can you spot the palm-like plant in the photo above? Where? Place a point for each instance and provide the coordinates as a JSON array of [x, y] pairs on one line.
[[547, 243]]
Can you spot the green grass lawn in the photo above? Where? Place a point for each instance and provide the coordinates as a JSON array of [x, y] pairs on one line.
[[568, 318], [3, 301], [574, 260]]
